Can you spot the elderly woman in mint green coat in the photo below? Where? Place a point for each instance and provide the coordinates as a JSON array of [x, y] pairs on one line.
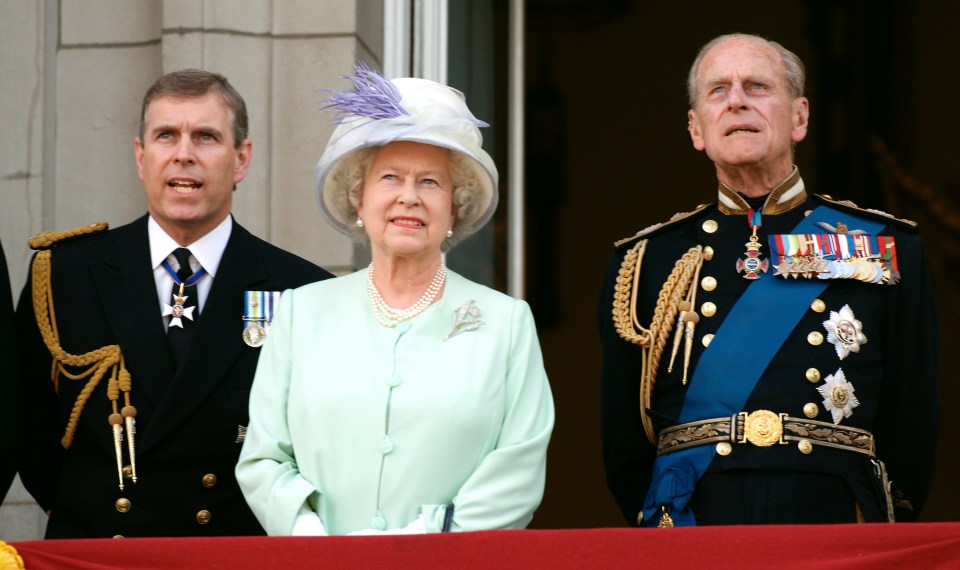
[[402, 398]]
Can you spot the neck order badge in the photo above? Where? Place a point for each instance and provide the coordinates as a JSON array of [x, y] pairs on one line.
[[184, 304], [752, 263], [184, 282]]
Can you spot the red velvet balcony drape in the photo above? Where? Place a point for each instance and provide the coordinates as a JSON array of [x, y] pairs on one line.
[[874, 546]]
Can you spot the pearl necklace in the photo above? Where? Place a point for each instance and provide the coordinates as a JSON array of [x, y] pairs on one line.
[[390, 317]]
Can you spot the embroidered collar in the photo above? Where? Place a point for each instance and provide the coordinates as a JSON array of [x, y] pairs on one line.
[[786, 196]]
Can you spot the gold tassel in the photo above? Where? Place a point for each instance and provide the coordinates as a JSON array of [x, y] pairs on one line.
[[129, 414], [115, 421], [684, 307], [692, 318], [666, 521]]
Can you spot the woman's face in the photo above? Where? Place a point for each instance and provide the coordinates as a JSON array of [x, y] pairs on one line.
[[407, 200]]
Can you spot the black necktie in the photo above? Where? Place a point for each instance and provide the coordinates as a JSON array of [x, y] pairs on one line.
[[180, 337]]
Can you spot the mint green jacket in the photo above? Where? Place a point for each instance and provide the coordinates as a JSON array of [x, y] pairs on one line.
[[372, 427]]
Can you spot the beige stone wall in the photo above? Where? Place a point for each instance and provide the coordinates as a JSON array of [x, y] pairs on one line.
[[74, 72]]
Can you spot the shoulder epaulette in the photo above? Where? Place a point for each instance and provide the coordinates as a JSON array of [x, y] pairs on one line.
[[46, 240], [867, 212], [678, 217]]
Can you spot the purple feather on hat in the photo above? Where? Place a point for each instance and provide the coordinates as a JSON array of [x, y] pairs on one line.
[[373, 96]]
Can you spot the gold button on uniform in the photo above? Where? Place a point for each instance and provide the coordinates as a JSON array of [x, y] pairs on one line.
[[724, 448], [805, 446], [706, 340], [708, 253], [128, 471], [118, 536], [818, 306], [710, 226], [203, 517], [811, 410], [813, 375], [815, 338], [708, 283], [209, 480], [123, 505], [708, 309]]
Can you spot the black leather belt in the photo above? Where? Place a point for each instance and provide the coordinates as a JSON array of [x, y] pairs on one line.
[[763, 429]]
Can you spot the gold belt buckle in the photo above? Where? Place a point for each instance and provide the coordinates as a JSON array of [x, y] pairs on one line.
[[762, 428]]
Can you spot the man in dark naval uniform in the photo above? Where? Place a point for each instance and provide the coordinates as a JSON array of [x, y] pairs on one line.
[[770, 358], [137, 344]]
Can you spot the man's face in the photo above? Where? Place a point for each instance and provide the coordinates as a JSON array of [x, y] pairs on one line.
[[745, 116], [188, 163]]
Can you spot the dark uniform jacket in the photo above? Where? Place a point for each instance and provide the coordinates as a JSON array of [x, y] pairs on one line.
[[189, 419], [893, 374], [11, 422]]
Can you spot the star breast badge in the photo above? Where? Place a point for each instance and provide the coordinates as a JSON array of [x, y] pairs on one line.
[[838, 396], [845, 332]]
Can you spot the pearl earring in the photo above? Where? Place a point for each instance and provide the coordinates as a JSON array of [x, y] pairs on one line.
[[450, 232], [359, 223]]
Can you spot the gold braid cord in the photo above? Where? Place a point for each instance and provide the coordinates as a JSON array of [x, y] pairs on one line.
[[653, 339], [46, 240], [9, 557], [96, 363]]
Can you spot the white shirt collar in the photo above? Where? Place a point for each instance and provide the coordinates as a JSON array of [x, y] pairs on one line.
[[207, 250]]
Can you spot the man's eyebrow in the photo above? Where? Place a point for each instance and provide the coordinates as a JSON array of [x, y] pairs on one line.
[[716, 80], [162, 127], [209, 130], [744, 79]]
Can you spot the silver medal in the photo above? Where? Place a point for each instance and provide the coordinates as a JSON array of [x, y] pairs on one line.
[[254, 335]]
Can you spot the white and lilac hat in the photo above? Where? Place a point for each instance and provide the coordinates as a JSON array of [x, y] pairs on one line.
[[379, 111]]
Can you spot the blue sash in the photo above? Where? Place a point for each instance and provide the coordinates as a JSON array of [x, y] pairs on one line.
[[765, 315]]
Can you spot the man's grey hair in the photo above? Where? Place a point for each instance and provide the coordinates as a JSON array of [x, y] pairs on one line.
[[792, 66]]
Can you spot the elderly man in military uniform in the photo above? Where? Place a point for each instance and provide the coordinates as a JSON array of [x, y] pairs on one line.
[[770, 358], [135, 365]]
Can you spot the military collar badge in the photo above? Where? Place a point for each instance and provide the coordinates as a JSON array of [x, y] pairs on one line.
[[845, 332], [258, 310], [838, 396]]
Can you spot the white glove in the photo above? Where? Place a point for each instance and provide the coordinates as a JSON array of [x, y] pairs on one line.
[[366, 532], [308, 524], [416, 527]]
